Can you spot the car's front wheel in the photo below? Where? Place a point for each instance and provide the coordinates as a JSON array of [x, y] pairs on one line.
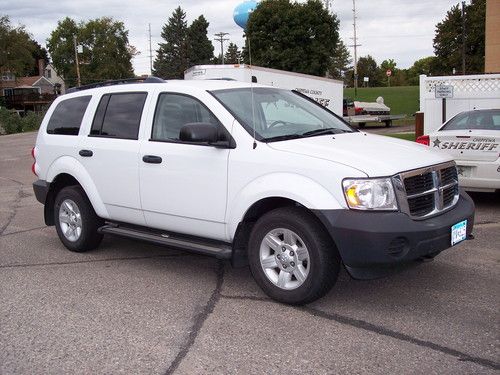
[[291, 256], [76, 221]]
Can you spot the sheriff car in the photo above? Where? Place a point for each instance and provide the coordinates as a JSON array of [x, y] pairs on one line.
[[473, 139]]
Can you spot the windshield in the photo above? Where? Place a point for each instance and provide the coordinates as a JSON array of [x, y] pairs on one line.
[[480, 119], [279, 114]]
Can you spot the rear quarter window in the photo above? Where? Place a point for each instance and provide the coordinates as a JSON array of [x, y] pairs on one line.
[[119, 115], [67, 116]]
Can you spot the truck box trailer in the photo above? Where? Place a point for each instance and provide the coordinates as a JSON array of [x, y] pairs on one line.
[[327, 92]]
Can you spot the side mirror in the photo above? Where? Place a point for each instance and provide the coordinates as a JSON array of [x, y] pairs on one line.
[[199, 132]]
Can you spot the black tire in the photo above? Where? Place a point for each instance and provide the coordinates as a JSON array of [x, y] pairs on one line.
[[324, 259], [89, 238], [388, 123], [361, 125]]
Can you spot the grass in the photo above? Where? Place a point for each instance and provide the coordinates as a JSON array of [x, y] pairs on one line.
[[401, 99], [405, 136]]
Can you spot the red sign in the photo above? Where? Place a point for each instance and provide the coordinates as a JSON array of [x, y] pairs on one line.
[[388, 73]]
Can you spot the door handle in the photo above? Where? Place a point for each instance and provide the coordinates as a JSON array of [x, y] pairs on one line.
[[152, 159], [86, 153]]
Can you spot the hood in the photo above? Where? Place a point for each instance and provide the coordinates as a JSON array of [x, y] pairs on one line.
[[372, 154]]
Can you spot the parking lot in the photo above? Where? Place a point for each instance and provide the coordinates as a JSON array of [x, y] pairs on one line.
[[131, 307]]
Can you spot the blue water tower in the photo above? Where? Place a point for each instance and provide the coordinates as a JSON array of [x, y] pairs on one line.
[[242, 12]]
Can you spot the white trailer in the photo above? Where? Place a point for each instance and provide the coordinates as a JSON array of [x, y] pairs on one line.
[[327, 92]]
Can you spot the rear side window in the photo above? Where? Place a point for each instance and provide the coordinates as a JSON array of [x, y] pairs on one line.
[[481, 119], [67, 117], [119, 115]]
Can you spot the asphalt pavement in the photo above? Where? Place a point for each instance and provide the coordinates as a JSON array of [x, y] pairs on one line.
[[130, 307]]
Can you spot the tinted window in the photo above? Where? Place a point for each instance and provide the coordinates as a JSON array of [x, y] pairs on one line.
[[119, 115], [173, 111], [67, 117], [484, 119]]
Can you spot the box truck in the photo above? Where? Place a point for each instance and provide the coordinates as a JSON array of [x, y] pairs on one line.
[[327, 92]]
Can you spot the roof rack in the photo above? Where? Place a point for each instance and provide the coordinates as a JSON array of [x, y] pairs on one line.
[[149, 79]]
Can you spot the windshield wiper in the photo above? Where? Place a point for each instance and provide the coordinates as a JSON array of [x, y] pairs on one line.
[[312, 133], [282, 137]]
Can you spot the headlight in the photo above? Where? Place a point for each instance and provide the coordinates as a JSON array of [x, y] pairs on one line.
[[370, 194]]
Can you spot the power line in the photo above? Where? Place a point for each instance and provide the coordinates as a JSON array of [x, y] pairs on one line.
[[220, 38], [150, 53], [355, 45]]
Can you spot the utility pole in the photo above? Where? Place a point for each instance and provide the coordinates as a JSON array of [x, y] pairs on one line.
[[220, 38], [76, 62], [150, 53], [463, 37], [355, 45]]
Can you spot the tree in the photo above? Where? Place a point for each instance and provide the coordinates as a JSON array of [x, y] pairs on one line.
[[232, 55], [386, 65], [183, 47], [39, 53], [449, 38], [367, 67], [200, 48], [106, 55], [16, 48], [292, 36], [172, 56], [421, 66], [340, 62]]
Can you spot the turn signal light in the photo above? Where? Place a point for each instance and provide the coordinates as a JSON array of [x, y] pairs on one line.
[[424, 140]]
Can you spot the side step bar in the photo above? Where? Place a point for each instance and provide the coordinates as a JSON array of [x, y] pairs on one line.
[[220, 250]]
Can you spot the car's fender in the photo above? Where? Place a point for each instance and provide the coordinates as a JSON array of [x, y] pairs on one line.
[[71, 166], [298, 188]]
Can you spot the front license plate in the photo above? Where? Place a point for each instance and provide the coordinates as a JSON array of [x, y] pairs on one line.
[[463, 171], [458, 232]]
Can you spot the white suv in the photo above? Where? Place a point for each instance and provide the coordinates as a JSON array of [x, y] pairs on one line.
[[255, 174]]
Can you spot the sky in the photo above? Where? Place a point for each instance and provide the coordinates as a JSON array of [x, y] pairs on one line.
[[399, 29]]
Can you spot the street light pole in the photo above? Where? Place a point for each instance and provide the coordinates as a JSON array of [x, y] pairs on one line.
[[76, 62]]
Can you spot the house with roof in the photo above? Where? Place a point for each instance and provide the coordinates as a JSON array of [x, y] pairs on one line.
[[31, 93]]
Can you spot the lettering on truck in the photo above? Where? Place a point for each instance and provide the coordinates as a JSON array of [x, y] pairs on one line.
[[480, 144], [323, 101]]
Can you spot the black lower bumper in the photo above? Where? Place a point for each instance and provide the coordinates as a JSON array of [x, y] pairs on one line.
[[41, 189], [371, 240]]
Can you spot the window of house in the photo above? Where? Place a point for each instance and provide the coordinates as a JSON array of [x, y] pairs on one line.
[[175, 110], [67, 116], [49, 73], [119, 115]]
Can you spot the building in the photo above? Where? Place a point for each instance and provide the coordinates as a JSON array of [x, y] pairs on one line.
[[492, 37], [31, 93]]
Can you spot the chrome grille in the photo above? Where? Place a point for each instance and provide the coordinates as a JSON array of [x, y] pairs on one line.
[[427, 191]]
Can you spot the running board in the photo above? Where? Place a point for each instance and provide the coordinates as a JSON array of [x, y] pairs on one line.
[[218, 249]]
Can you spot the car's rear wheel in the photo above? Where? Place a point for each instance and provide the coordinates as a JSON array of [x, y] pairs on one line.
[[291, 256], [76, 221]]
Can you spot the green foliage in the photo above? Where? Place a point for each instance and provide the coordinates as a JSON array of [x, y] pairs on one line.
[[401, 99], [184, 46], [232, 55], [367, 67], [422, 66], [449, 37], [340, 62], [16, 48], [107, 53], [12, 123], [200, 48], [292, 36]]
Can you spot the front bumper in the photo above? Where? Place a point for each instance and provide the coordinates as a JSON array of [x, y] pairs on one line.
[[370, 240]]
